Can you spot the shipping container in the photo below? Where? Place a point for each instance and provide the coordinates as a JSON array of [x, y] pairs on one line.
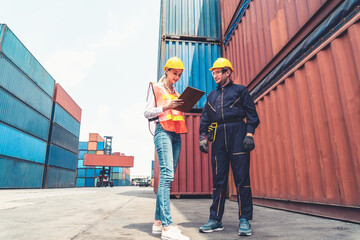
[[100, 152], [90, 172], [81, 154], [59, 178], [83, 145], [20, 174], [92, 146], [80, 182], [262, 32], [89, 182], [108, 160], [19, 85], [59, 157], [16, 144], [63, 138], [228, 10], [81, 172], [91, 152], [95, 137], [312, 164], [197, 57], [65, 120], [100, 146], [199, 18], [13, 49], [193, 175], [80, 163], [64, 100], [17, 114]]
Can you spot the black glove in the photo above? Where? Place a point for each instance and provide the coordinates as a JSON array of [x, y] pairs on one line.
[[248, 143], [204, 146]]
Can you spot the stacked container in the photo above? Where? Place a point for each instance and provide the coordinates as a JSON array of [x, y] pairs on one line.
[[300, 62], [87, 176], [191, 31], [26, 92], [62, 152]]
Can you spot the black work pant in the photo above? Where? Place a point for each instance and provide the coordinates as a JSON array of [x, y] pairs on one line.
[[228, 148]]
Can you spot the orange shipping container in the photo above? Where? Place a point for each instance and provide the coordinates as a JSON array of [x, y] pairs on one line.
[[64, 100], [95, 137], [100, 152], [92, 146]]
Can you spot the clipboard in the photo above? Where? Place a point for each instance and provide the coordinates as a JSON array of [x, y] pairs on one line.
[[190, 96]]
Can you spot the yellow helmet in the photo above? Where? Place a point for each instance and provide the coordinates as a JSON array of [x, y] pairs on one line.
[[174, 63], [222, 63]]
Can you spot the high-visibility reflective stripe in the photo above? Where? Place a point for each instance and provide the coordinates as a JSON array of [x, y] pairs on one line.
[[175, 118], [167, 96]]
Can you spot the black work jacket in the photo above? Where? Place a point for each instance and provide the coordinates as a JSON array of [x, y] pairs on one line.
[[228, 104]]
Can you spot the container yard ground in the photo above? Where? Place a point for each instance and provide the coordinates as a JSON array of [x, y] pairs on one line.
[[127, 213]]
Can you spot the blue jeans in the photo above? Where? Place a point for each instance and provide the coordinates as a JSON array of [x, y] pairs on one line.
[[168, 146]]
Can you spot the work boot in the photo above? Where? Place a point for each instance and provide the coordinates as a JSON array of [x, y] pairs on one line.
[[211, 226], [244, 227]]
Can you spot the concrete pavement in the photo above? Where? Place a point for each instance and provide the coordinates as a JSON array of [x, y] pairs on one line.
[[127, 213]]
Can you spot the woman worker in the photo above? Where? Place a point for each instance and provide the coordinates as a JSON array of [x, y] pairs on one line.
[[169, 124]]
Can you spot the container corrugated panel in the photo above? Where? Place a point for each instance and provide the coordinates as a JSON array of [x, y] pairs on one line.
[[20, 174], [81, 172], [197, 57], [14, 143], [314, 153], [193, 175], [19, 115], [60, 178], [92, 146], [83, 146], [63, 138], [64, 119], [263, 31], [63, 99], [23, 88], [12, 48], [228, 10], [100, 146], [60, 157], [81, 154], [89, 182], [80, 182], [199, 18]]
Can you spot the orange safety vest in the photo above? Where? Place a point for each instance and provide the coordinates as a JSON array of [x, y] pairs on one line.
[[171, 120]]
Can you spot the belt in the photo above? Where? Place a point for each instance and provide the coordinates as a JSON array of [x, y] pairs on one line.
[[231, 120]]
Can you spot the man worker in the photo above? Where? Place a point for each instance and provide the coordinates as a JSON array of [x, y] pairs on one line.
[[224, 112]]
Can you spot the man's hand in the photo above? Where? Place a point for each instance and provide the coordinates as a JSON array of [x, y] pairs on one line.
[[248, 143], [204, 146]]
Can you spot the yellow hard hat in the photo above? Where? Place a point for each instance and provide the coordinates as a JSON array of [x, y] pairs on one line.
[[222, 63], [174, 63]]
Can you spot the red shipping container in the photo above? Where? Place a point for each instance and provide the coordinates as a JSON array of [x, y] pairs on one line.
[[64, 100], [193, 175], [95, 137], [108, 160]]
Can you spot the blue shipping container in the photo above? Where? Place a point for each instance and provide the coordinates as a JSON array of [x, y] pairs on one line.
[[80, 182], [63, 138], [90, 172], [89, 182], [199, 18], [20, 174], [116, 169], [12, 48], [100, 146], [19, 115], [23, 88], [83, 146], [59, 157], [64, 119], [14, 143], [58, 177], [81, 154], [197, 57], [81, 172], [80, 163], [97, 172]]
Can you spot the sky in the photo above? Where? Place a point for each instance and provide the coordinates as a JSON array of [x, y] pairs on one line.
[[104, 54]]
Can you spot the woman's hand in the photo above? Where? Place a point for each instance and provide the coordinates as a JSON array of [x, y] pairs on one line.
[[173, 104]]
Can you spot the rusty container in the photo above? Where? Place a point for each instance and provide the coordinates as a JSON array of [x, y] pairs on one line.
[[307, 154], [262, 31], [193, 175]]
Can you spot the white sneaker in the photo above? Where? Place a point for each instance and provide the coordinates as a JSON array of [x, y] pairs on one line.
[[156, 229], [174, 233]]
